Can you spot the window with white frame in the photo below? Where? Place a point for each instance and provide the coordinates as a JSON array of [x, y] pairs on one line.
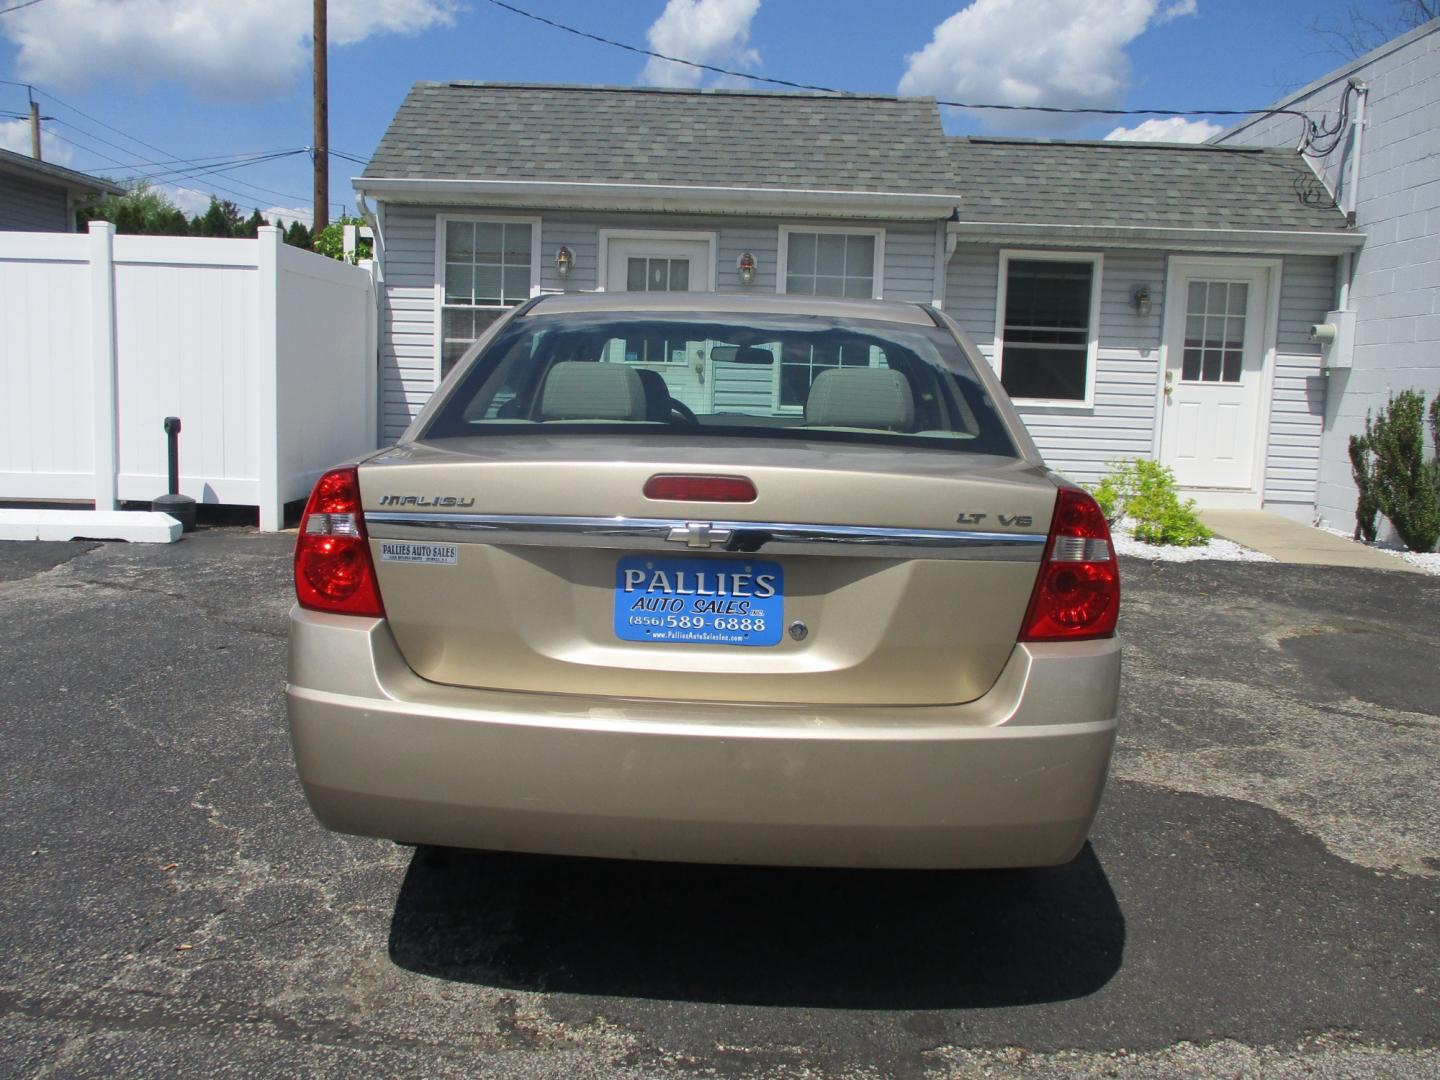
[[831, 263], [488, 267], [1047, 339]]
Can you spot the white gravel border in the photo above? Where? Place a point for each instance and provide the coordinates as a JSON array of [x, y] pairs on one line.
[[1429, 562], [1218, 549]]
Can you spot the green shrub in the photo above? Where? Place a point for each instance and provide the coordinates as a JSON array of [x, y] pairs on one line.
[[1144, 492], [330, 241], [1397, 480], [1107, 494]]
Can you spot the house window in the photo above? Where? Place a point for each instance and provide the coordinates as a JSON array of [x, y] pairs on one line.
[[489, 267], [1047, 333], [831, 263], [801, 364]]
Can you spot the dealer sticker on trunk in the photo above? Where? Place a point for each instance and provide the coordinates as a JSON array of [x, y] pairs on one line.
[[425, 554], [699, 601]]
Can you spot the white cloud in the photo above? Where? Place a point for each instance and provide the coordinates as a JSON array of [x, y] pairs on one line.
[[222, 48], [289, 214], [15, 137], [1179, 9], [1171, 129], [706, 31], [191, 203], [1068, 53]]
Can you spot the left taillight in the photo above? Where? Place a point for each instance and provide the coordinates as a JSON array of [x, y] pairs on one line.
[[1077, 592], [333, 568]]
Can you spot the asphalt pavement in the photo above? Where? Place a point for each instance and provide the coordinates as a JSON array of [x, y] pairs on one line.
[[1259, 898]]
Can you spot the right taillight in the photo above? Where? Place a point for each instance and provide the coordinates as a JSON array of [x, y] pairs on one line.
[[333, 569], [1077, 593]]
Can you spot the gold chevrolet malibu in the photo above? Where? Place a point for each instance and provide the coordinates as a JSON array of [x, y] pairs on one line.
[[713, 578]]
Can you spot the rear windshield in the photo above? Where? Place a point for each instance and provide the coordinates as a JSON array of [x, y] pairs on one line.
[[725, 376]]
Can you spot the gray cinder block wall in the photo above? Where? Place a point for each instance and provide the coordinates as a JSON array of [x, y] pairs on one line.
[[1396, 286]]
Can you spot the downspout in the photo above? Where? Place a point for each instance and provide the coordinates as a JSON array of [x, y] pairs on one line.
[[372, 219], [377, 270], [1357, 147]]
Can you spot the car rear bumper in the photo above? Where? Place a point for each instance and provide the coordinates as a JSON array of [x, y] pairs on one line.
[[1012, 779]]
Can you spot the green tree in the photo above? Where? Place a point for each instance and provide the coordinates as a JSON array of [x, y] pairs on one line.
[[250, 227], [219, 219], [330, 241], [141, 210], [298, 236]]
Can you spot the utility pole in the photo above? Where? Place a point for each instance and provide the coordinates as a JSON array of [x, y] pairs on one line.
[[321, 149], [35, 130]]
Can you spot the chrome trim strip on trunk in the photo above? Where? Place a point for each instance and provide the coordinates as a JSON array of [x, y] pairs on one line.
[[671, 535]]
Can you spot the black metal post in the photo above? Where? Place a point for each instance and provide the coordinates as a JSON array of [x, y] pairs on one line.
[[180, 507], [172, 429]]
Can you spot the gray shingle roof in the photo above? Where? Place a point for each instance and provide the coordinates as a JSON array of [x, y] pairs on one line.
[[58, 175], [1163, 185], [500, 131]]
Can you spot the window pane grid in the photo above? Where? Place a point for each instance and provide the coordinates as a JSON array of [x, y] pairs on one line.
[[1214, 331], [487, 269], [487, 264], [830, 264]]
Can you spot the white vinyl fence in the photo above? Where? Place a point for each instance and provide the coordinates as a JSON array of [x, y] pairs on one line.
[[265, 352]]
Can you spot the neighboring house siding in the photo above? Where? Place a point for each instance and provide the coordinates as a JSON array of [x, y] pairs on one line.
[[1396, 289], [1121, 424], [26, 206], [407, 354]]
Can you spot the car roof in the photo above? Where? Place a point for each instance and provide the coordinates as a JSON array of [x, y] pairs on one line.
[[731, 303]]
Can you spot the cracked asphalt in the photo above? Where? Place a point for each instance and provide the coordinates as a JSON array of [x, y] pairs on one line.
[[1259, 898]]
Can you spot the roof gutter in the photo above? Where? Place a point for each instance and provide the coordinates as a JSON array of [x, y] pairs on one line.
[[1268, 241], [674, 198]]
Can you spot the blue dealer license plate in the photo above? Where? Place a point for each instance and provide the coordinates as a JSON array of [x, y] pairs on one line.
[[699, 601]]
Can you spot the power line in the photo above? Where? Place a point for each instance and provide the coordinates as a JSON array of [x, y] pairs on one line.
[[173, 182], [832, 90], [17, 7], [208, 165], [251, 188]]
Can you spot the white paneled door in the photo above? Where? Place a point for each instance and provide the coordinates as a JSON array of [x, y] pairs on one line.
[[1216, 347], [655, 262]]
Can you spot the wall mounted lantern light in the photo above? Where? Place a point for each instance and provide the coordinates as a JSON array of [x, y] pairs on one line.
[[746, 265], [1140, 299], [564, 259]]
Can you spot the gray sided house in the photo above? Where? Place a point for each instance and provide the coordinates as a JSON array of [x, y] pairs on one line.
[[36, 196], [1138, 300], [1386, 169]]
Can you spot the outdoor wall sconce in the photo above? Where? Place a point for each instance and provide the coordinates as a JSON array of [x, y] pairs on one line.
[[746, 265], [1140, 299], [564, 259]]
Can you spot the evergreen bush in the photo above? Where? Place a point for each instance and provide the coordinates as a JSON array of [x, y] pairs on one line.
[[1397, 479]]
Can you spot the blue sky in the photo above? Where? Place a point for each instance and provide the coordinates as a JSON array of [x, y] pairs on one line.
[[131, 87]]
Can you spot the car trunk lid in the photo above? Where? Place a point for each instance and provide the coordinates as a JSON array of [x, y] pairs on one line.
[[537, 563]]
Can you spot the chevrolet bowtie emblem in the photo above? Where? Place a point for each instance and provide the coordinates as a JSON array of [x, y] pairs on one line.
[[699, 534]]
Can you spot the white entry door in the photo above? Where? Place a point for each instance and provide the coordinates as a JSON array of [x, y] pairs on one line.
[[1216, 346], [655, 264], [659, 263]]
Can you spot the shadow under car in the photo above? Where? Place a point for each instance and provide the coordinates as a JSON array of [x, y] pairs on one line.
[[856, 939]]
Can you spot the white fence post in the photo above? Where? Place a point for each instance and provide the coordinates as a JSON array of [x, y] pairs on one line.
[[267, 322], [104, 402], [372, 355]]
